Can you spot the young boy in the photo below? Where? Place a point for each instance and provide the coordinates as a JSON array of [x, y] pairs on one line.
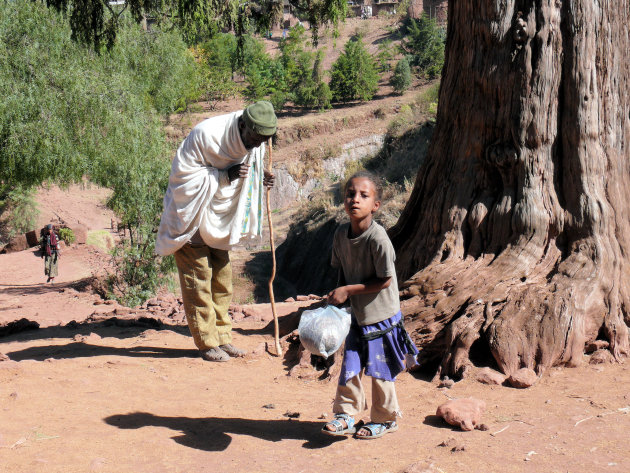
[[377, 343]]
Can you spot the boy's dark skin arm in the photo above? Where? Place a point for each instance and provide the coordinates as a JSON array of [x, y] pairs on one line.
[[371, 286]]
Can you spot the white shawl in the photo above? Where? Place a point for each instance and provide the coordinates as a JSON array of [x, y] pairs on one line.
[[200, 196]]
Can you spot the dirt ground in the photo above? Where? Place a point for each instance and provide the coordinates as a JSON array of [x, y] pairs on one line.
[[90, 397]]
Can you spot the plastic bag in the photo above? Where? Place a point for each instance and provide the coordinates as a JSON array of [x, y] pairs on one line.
[[323, 330]]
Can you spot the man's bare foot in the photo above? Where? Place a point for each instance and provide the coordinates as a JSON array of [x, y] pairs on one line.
[[214, 354], [232, 350]]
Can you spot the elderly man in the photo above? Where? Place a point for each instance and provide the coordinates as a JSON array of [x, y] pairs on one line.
[[213, 202]]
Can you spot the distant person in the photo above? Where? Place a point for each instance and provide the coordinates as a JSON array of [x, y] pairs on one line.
[[50, 253], [214, 202], [377, 344]]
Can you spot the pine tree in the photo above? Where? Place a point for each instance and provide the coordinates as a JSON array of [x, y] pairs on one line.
[[401, 79]]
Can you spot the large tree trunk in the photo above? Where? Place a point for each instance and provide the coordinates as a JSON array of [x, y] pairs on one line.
[[516, 235]]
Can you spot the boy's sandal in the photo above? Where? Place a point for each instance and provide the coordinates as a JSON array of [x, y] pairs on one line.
[[340, 430], [377, 430]]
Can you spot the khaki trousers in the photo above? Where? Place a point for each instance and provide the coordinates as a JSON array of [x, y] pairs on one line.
[[51, 268], [205, 275], [350, 399]]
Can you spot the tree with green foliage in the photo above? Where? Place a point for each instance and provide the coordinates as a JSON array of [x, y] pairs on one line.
[[304, 76], [97, 22], [354, 74], [264, 74], [69, 113], [401, 79], [424, 42]]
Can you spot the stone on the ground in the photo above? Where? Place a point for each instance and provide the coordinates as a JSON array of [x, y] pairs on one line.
[[421, 467], [596, 345], [18, 243], [302, 298], [32, 238], [289, 299], [17, 326], [465, 412], [601, 356], [446, 383], [489, 376], [523, 378]]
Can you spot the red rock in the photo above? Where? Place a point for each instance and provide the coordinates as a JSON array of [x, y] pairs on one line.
[[596, 345], [490, 376], [523, 378], [601, 356], [290, 299], [18, 243], [446, 383], [302, 298], [465, 413], [32, 238]]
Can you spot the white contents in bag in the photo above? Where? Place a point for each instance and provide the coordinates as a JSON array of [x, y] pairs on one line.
[[323, 330]]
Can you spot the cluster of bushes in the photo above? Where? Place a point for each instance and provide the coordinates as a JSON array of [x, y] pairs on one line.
[[295, 75], [423, 45]]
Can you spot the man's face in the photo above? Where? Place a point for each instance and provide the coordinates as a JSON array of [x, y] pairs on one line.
[[250, 138]]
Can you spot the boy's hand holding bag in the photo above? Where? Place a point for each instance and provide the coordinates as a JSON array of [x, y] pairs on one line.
[[323, 330]]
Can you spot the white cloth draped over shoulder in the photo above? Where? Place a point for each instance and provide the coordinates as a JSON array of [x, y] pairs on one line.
[[200, 196]]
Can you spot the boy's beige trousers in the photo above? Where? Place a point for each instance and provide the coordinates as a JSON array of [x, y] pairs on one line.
[[205, 275], [350, 399]]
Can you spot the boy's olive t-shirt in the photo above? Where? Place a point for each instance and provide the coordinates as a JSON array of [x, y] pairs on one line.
[[369, 255]]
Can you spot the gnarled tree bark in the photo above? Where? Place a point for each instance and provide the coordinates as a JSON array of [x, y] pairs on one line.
[[516, 234]]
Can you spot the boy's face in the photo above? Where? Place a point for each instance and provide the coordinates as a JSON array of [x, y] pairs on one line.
[[360, 200]]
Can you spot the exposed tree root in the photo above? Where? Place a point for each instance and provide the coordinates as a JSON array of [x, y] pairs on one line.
[[534, 317]]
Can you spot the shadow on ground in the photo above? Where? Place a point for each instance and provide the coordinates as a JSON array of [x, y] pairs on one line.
[[84, 350], [213, 433]]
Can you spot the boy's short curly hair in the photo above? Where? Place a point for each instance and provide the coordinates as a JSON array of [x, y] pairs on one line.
[[378, 185]]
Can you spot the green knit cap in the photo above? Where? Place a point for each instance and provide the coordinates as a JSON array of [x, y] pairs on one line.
[[261, 118]]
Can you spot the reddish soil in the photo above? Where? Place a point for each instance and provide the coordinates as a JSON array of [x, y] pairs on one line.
[[109, 398], [93, 397]]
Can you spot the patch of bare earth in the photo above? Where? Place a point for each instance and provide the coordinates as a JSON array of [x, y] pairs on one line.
[[115, 393], [123, 390]]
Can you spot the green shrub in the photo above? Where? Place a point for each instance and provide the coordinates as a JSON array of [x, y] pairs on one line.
[[401, 79], [424, 41], [353, 75], [18, 209], [138, 272], [427, 100], [385, 55], [67, 235], [303, 71]]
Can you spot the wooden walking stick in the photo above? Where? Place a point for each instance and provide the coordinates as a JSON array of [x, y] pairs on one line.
[[273, 270]]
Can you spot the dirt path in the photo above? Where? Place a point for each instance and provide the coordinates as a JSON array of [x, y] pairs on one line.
[[90, 397], [140, 401]]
